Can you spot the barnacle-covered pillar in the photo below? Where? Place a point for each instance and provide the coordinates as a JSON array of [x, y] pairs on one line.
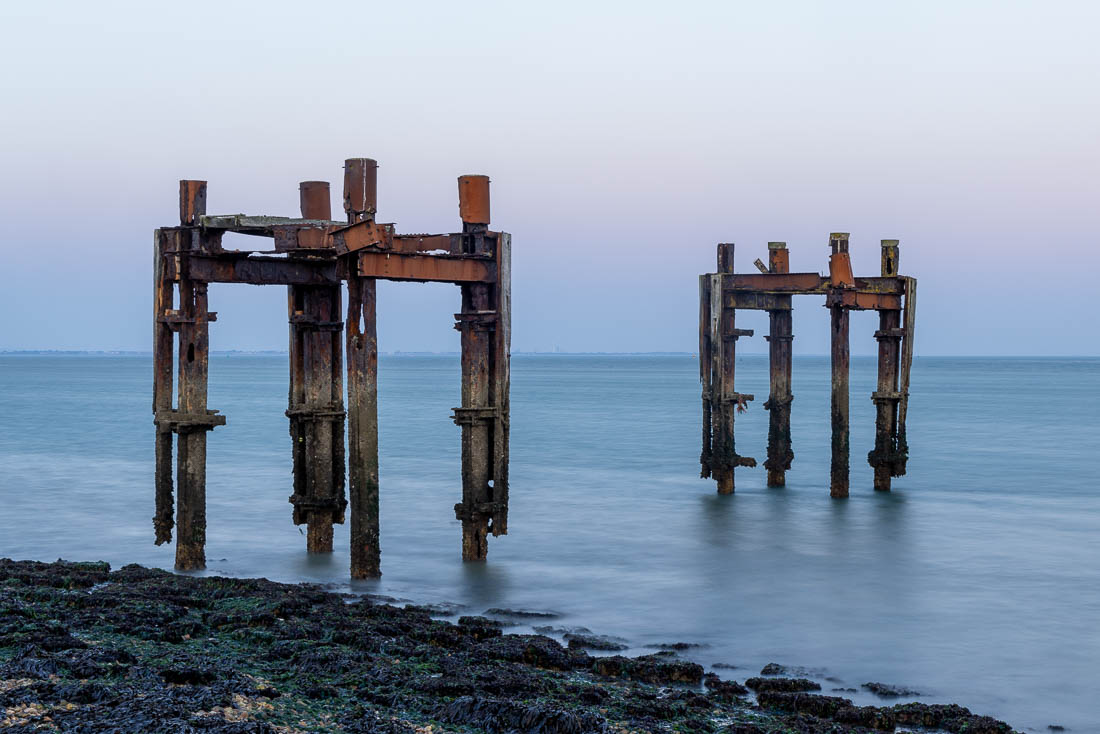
[[484, 324], [718, 339], [840, 278], [316, 398], [779, 372]]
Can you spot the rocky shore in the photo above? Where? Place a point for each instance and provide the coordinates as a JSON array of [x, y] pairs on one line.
[[85, 649]]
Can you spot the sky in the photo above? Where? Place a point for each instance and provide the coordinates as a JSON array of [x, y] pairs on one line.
[[623, 140]]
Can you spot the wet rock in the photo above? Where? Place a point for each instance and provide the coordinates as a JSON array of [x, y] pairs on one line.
[[1056, 727], [498, 715], [364, 721], [743, 727], [867, 716], [60, 574], [440, 609], [723, 690], [677, 646], [321, 692], [883, 690], [594, 642], [803, 703], [649, 669], [592, 696], [188, 676], [952, 717], [538, 650], [549, 629], [522, 613], [773, 669], [789, 685], [723, 666], [480, 628]]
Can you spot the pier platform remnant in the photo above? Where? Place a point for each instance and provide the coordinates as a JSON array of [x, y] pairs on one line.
[[722, 293], [313, 256]]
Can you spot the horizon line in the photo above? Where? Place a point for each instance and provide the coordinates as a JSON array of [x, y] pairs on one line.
[[412, 353]]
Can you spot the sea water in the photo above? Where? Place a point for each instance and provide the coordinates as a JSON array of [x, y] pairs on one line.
[[976, 580]]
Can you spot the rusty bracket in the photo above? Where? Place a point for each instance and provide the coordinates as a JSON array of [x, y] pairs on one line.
[[320, 413], [470, 416], [173, 318], [735, 334], [890, 396], [476, 320], [361, 235], [308, 323], [177, 422], [775, 402], [333, 502], [779, 337], [478, 510]]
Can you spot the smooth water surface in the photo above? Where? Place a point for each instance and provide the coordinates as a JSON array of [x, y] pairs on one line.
[[976, 581]]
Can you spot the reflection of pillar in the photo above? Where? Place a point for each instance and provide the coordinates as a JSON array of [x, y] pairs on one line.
[[361, 341], [887, 397], [779, 367], [840, 269]]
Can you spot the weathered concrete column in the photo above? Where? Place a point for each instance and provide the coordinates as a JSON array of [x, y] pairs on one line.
[[840, 274], [779, 370], [887, 397], [361, 341]]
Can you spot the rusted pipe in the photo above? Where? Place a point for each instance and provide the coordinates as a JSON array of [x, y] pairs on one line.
[[360, 188], [473, 199], [316, 201]]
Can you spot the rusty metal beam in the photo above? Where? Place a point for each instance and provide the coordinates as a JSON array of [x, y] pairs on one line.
[[263, 270], [426, 268], [806, 284]]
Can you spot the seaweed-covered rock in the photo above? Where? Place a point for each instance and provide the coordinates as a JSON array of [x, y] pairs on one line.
[[782, 684], [580, 641], [723, 690], [649, 669], [884, 690], [498, 715], [83, 649]]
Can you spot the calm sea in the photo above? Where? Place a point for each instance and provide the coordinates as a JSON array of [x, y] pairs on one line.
[[976, 581]]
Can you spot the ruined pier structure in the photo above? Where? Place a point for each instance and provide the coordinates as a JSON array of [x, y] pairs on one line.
[[721, 294], [313, 256]]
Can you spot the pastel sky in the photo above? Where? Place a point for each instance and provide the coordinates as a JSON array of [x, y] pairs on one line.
[[624, 140]]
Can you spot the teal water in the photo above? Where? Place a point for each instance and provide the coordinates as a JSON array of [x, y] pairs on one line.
[[976, 581]]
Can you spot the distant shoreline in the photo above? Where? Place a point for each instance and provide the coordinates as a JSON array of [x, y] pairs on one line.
[[277, 353]]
